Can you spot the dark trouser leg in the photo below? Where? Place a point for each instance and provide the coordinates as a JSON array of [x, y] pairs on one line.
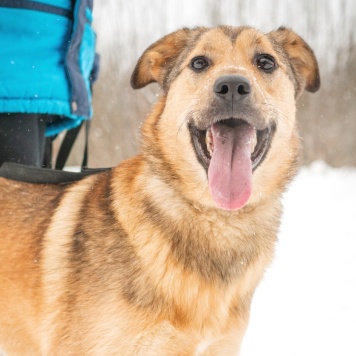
[[22, 138]]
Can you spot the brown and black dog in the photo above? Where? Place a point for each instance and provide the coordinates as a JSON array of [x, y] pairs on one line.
[[162, 254]]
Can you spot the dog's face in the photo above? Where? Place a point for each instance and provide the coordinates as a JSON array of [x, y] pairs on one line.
[[229, 109]]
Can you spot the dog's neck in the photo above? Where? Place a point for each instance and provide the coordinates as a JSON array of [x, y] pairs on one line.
[[219, 252]]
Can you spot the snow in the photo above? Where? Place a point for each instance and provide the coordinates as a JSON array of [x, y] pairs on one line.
[[306, 304]]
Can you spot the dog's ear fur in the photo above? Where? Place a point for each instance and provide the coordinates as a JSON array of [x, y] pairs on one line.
[[301, 57], [159, 59]]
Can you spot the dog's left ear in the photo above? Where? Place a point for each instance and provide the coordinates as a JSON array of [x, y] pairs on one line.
[[159, 59], [301, 57]]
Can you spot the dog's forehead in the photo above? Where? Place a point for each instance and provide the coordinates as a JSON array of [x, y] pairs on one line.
[[225, 41]]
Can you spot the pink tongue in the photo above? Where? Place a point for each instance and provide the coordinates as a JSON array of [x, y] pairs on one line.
[[230, 169]]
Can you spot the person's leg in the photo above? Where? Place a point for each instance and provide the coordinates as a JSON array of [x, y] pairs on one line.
[[22, 138]]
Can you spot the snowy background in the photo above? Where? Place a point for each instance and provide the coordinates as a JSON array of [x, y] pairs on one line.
[[306, 304]]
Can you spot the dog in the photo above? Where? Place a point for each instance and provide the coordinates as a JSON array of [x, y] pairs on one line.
[[161, 255]]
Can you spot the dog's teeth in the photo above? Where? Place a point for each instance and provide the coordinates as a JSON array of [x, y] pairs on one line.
[[209, 141]]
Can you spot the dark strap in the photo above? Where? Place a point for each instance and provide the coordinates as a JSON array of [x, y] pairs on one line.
[[31, 174], [37, 6], [86, 148], [67, 144]]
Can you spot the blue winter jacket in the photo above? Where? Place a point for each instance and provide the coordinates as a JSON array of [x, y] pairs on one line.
[[47, 59]]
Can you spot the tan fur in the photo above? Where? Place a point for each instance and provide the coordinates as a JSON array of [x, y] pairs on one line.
[[140, 260]]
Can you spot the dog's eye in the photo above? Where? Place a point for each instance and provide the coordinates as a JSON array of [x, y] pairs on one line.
[[266, 63], [199, 63]]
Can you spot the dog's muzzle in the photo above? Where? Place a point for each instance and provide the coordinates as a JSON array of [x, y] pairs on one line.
[[232, 142]]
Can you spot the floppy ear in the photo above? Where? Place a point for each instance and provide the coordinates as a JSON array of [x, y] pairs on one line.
[[159, 59], [301, 57]]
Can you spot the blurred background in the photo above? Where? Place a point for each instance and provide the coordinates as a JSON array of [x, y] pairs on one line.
[[327, 119]]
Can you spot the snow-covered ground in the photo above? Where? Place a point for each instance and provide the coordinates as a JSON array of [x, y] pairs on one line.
[[306, 304]]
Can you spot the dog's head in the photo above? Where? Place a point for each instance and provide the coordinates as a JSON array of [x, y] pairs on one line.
[[228, 110]]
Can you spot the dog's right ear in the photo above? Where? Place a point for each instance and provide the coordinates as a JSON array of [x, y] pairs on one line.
[[301, 57], [159, 59]]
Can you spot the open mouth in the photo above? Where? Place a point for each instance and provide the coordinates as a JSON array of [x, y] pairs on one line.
[[203, 142], [231, 150]]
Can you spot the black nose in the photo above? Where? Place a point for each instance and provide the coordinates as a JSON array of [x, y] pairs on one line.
[[232, 87]]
